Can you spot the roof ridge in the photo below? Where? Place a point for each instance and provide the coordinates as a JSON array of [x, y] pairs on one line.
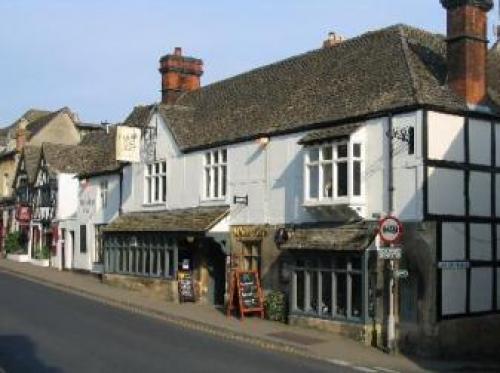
[[345, 44], [406, 54]]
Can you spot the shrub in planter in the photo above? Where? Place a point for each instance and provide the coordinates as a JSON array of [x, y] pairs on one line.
[[14, 243], [275, 305], [44, 253]]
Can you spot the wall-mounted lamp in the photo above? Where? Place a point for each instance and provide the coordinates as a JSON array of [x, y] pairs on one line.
[[237, 200], [263, 141]]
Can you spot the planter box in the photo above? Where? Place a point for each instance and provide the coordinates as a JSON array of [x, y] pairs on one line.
[[41, 262], [21, 258]]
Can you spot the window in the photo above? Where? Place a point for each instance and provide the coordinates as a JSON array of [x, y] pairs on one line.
[[156, 182], [215, 174], [83, 239], [333, 171], [328, 286], [104, 193]]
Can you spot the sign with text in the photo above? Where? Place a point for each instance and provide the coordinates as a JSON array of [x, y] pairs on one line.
[[389, 253], [390, 230], [245, 293], [128, 144], [454, 265], [186, 286], [23, 214]]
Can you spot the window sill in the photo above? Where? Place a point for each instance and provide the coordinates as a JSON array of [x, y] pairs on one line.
[[155, 204], [213, 201], [326, 317], [353, 201]]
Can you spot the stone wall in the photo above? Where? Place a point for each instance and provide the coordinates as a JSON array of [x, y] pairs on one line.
[[157, 288]]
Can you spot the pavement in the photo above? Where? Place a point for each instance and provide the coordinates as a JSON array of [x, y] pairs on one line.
[[297, 342]]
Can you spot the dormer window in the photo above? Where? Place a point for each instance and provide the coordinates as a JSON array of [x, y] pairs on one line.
[[333, 172]]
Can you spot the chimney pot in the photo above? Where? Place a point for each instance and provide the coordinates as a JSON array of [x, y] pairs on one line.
[[178, 51]]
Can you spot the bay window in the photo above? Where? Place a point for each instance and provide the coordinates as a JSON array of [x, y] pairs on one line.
[[215, 174], [328, 286], [333, 171], [156, 182]]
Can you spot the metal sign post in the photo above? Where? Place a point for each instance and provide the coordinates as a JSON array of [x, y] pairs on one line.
[[390, 234]]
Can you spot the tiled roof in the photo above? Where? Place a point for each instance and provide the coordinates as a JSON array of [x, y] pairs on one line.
[[139, 117], [194, 220], [394, 68], [350, 237], [104, 159], [30, 116], [31, 156]]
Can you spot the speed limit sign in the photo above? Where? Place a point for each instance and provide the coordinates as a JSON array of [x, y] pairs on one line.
[[390, 230]]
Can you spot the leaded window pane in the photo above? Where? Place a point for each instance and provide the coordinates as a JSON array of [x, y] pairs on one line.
[[327, 180], [313, 181], [342, 179], [356, 294], [356, 188], [313, 290], [341, 294], [300, 290], [326, 293]]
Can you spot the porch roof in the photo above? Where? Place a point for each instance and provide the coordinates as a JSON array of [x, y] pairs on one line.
[[194, 220], [349, 237]]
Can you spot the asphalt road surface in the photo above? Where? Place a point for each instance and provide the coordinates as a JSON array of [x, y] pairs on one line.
[[46, 330]]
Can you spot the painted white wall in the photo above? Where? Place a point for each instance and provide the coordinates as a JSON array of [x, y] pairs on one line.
[[453, 241], [480, 142], [481, 289], [67, 195], [92, 212], [446, 191], [446, 137], [272, 175], [408, 169], [480, 192], [454, 289]]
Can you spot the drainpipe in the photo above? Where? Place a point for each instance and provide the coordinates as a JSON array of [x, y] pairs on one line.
[[120, 207]]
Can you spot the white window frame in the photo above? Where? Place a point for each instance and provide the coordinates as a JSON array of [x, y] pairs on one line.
[[103, 193], [321, 161], [156, 180], [215, 164]]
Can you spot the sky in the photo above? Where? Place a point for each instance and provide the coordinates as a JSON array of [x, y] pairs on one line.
[[100, 57]]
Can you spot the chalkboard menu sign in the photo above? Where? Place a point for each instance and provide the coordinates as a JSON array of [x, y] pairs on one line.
[[245, 293], [185, 286]]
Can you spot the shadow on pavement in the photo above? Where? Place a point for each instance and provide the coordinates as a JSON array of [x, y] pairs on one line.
[[18, 354]]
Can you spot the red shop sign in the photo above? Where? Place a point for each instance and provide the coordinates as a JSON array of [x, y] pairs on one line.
[[23, 213]]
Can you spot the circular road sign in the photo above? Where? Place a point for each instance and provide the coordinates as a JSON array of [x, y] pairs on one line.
[[390, 230]]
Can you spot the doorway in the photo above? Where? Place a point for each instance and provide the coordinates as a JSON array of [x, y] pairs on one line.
[[216, 265]]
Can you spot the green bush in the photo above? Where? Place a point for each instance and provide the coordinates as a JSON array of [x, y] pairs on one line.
[[43, 253], [13, 242], [275, 305]]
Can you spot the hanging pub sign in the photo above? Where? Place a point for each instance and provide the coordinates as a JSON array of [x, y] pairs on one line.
[[245, 293], [128, 144], [390, 230], [185, 286]]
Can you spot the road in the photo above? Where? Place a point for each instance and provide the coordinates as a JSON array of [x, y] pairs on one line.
[[46, 330]]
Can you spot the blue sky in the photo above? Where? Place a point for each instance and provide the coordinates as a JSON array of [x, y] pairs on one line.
[[100, 57]]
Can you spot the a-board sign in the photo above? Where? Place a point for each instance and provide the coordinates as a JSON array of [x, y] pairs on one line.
[[245, 293], [185, 286]]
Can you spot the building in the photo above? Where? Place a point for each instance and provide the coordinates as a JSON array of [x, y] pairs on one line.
[[33, 128], [299, 159]]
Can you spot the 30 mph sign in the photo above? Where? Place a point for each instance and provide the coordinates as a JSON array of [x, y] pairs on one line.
[[390, 230]]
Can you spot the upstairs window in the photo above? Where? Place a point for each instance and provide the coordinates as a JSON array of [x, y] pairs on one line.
[[103, 191], [215, 174], [333, 171], [156, 182]]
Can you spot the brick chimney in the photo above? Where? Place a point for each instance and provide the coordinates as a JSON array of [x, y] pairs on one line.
[[21, 134], [467, 47], [179, 74]]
